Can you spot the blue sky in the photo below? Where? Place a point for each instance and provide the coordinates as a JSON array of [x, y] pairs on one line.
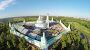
[[75, 8]]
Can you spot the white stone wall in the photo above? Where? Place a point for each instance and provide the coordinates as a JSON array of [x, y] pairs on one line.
[[35, 42], [63, 25]]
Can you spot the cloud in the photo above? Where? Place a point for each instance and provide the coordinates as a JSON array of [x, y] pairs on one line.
[[5, 3]]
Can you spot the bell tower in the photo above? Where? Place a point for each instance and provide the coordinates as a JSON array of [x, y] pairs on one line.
[[47, 20]]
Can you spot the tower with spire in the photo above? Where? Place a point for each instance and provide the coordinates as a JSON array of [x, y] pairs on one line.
[[40, 20], [47, 20], [44, 40], [69, 28], [39, 17], [10, 24], [52, 19], [24, 21], [60, 21]]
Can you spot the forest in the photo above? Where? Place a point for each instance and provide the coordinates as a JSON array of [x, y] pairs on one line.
[[70, 41]]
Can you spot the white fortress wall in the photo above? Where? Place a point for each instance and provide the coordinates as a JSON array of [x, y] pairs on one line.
[[63, 25], [32, 41], [50, 42]]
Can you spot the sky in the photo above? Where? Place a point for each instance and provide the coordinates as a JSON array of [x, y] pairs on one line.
[[74, 8]]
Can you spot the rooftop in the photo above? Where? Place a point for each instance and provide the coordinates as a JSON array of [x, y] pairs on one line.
[[36, 33]]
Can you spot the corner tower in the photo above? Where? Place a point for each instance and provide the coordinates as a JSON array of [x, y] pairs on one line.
[[24, 21], [10, 25], [69, 29], [44, 40]]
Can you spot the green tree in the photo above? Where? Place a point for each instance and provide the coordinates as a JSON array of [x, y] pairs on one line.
[[63, 44], [22, 44], [84, 41], [8, 44], [2, 37]]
